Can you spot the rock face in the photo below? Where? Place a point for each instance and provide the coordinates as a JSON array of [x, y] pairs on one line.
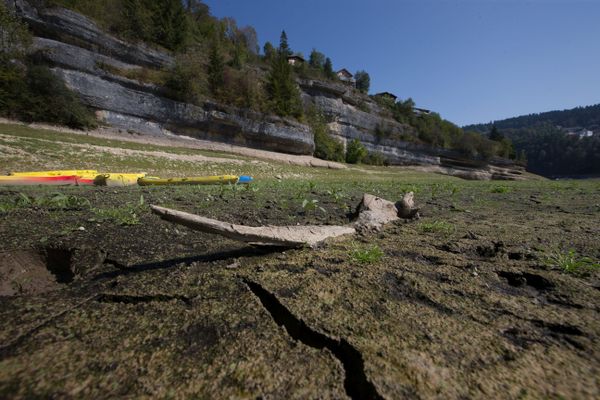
[[351, 121], [83, 56], [91, 62]]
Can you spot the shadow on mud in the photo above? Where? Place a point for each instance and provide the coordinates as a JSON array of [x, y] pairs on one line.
[[247, 251]]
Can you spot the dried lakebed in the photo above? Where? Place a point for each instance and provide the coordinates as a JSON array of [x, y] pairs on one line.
[[469, 301]]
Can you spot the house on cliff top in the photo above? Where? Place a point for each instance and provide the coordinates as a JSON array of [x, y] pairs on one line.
[[345, 76], [295, 60], [387, 95]]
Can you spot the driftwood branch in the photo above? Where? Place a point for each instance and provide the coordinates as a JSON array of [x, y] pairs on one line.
[[374, 213], [284, 236]]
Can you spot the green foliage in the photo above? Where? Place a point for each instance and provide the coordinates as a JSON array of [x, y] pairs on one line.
[[56, 201], [571, 262], [312, 206], [328, 69], [366, 255], [317, 59], [326, 147], [216, 70], [495, 135], [500, 189], [29, 92], [547, 149], [375, 159], [160, 22], [363, 81], [442, 227], [126, 215], [284, 48], [14, 36], [269, 51], [33, 93], [355, 152], [283, 93]]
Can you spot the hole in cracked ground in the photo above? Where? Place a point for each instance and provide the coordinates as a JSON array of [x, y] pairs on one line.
[[32, 272], [518, 279], [356, 383]]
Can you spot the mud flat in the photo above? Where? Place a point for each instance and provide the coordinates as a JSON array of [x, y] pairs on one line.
[[472, 300]]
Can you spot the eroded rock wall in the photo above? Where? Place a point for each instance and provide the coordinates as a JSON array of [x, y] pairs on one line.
[[83, 56]]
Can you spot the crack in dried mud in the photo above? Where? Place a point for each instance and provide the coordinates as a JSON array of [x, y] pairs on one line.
[[356, 383]]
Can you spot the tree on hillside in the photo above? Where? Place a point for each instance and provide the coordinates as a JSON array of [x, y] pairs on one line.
[[355, 152], [14, 36], [161, 22], [363, 81], [269, 51], [317, 59], [495, 135], [284, 95], [250, 39], [328, 69], [216, 70], [284, 47]]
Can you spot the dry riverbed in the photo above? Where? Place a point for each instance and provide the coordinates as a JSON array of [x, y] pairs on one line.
[[472, 300]]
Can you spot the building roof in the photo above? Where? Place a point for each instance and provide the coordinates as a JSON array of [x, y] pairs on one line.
[[387, 94], [421, 110], [297, 58], [344, 72]]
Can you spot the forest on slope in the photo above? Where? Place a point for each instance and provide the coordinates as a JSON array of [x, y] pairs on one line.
[[555, 143]]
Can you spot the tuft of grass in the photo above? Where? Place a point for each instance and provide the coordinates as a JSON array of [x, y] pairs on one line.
[[312, 205], [127, 215], [55, 201], [437, 227], [570, 262], [367, 255], [500, 189]]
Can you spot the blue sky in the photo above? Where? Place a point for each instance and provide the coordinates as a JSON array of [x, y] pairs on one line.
[[470, 60]]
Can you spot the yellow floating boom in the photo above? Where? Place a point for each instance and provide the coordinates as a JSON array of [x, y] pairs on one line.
[[117, 179], [195, 180], [67, 172]]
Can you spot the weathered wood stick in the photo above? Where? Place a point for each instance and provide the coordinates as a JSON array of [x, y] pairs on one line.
[[284, 236], [374, 213]]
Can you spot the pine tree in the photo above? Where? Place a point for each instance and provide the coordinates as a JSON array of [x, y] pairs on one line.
[[216, 69], [328, 69], [269, 51], [281, 87], [495, 135], [363, 81], [317, 59], [284, 48]]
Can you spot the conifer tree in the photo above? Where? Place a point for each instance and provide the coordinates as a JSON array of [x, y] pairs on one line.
[[317, 59], [495, 135], [284, 48], [328, 69], [216, 69], [281, 86]]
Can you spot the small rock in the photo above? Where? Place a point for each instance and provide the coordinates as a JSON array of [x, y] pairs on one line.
[[81, 228], [279, 177], [233, 265]]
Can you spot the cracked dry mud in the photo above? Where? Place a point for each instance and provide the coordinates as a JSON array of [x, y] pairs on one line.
[[158, 311]]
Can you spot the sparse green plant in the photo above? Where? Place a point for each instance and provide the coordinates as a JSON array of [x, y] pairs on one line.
[[366, 255], [500, 189], [312, 205], [61, 201], [54, 201], [126, 215], [570, 262], [437, 227]]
